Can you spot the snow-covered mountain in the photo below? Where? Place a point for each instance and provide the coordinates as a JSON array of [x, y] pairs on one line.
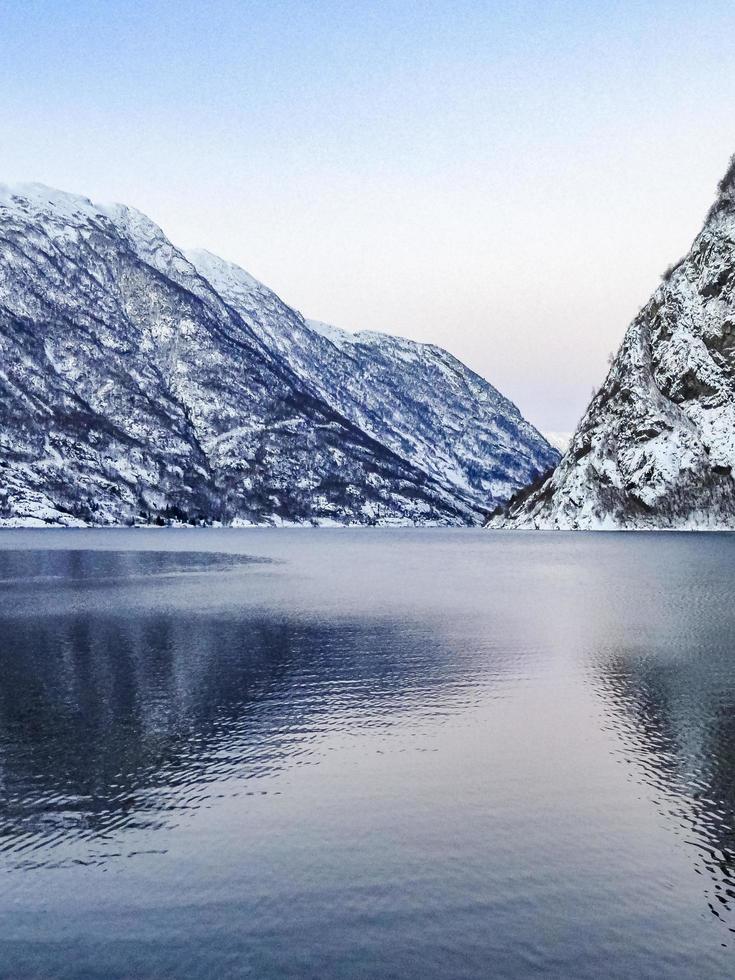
[[131, 385], [417, 399], [559, 440], [656, 446]]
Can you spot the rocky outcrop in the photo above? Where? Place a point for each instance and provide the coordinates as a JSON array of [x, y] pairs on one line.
[[656, 446]]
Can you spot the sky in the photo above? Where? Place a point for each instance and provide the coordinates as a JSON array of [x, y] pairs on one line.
[[507, 180]]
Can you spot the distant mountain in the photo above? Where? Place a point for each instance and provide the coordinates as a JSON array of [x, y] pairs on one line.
[[559, 440], [656, 446], [136, 384]]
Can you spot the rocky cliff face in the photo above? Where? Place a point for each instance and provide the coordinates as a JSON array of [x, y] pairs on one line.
[[656, 447], [131, 389]]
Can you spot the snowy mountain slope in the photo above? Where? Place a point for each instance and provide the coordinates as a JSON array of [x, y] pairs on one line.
[[415, 398], [656, 447], [127, 386]]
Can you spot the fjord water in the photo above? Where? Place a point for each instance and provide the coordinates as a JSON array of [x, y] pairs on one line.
[[366, 753]]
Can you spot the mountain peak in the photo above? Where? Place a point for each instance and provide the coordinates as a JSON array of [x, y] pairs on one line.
[[726, 187], [49, 203]]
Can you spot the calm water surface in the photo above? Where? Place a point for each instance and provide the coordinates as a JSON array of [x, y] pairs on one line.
[[335, 754]]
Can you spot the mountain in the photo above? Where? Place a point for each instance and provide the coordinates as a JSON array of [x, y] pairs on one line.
[[131, 389], [559, 440], [416, 399], [656, 446]]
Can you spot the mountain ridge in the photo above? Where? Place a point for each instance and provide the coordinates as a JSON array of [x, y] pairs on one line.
[[362, 375], [132, 388]]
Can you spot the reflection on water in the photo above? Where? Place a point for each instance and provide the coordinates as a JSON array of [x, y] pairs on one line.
[[104, 726], [112, 721], [677, 721], [56, 569], [366, 754]]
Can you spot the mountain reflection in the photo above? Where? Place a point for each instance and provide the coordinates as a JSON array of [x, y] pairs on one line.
[[676, 717], [115, 716]]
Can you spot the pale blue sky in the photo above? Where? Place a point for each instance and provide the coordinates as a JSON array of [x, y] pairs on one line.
[[505, 179]]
